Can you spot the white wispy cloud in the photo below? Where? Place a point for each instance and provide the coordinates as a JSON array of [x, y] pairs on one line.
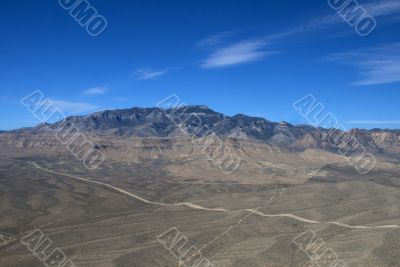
[[379, 65], [214, 40], [73, 107], [225, 53], [237, 53], [366, 122], [98, 90], [148, 73], [120, 99], [378, 9], [382, 8]]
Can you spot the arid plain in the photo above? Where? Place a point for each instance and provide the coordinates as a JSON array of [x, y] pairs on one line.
[[113, 215]]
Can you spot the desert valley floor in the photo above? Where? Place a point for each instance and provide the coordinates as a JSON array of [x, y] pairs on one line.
[[113, 216]]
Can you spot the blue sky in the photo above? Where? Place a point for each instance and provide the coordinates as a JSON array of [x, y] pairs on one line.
[[251, 57]]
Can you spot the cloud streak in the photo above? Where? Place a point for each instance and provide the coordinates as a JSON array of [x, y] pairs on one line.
[[120, 99], [73, 107], [237, 53], [379, 65], [227, 54], [382, 8], [148, 73], [376, 9], [214, 40], [98, 90]]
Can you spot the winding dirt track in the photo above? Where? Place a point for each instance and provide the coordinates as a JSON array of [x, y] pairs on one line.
[[198, 207]]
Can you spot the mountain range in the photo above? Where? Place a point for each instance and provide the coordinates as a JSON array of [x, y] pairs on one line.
[[189, 121]]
